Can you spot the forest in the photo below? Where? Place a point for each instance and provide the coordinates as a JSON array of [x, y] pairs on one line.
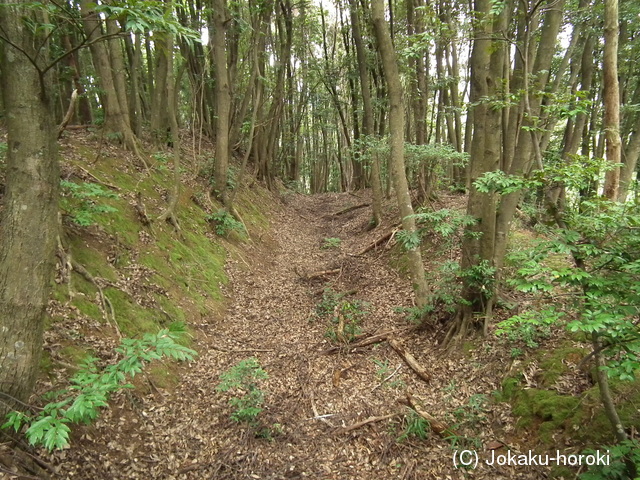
[[326, 239]]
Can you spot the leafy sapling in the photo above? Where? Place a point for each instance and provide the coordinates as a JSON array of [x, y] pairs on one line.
[[92, 386], [243, 379]]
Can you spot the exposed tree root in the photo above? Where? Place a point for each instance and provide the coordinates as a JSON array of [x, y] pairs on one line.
[[105, 304]]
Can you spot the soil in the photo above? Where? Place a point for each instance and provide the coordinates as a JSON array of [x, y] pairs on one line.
[[313, 394]]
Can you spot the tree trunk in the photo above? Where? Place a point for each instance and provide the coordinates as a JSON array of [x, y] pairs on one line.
[[396, 128], [115, 119], [611, 98], [223, 99], [29, 218], [367, 120]]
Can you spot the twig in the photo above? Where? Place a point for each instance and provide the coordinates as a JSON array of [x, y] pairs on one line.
[[317, 415], [387, 379], [367, 422], [248, 350]]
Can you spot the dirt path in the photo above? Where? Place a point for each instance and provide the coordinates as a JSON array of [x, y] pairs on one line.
[[310, 396]]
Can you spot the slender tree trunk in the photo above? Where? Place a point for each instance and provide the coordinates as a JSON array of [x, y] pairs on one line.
[[367, 121], [396, 127], [29, 224], [611, 98], [223, 99], [116, 120]]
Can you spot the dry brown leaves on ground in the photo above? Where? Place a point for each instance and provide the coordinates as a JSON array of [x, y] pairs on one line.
[[311, 398]]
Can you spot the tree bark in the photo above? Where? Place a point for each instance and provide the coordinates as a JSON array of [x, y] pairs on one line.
[[611, 98], [223, 99], [29, 219], [396, 128], [115, 119], [367, 120]]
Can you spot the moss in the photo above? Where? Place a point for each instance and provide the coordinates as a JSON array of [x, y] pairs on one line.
[[546, 409], [132, 319], [87, 307], [552, 363], [123, 224], [163, 377], [510, 387], [93, 260], [73, 354], [46, 364]]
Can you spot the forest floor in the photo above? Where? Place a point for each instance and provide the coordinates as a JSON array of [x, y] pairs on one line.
[[313, 394]]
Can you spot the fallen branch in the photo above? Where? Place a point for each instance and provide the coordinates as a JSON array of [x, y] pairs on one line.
[[96, 179], [243, 350], [321, 273], [381, 337], [386, 237], [367, 422], [349, 209], [337, 312], [387, 378], [436, 425], [317, 416], [409, 360]]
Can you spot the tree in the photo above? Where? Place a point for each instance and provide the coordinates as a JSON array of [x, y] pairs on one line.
[[29, 225], [611, 99], [223, 98], [396, 128], [367, 120]]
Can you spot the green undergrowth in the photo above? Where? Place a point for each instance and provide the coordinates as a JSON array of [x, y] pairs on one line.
[[149, 276]]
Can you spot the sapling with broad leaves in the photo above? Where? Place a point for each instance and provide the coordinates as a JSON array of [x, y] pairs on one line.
[[91, 387]]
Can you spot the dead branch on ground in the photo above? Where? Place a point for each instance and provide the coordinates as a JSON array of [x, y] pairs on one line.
[[380, 240], [381, 337], [409, 360], [367, 422], [348, 209], [436, 425], [105, 303], [321, 273]]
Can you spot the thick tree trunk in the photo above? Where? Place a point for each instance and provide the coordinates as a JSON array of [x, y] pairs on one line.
[[396, 127], [487, 71], [29, 218]]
